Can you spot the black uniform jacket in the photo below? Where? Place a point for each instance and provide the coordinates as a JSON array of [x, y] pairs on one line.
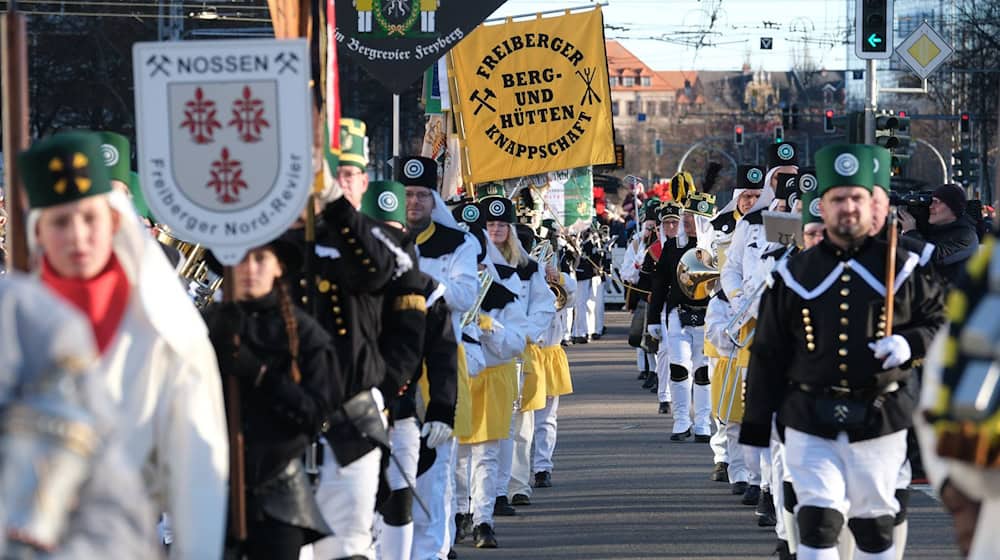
[[440, 357], [664, 282], [280, 417], [404, 317], [813, 331], [585, 269], [354, 261]]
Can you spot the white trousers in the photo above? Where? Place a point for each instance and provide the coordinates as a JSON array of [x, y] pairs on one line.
[[432, 535], [546, 426], [396, 541], [779, 474], [522, 431], [857, 479], [663, 364], [346, 496], [720, 449], [585, 308], [475, 480], [686, 349], [758, 464], [644, 361], [599, 294], [738, 471]]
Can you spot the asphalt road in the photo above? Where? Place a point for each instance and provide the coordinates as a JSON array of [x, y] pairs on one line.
[[621, 489]]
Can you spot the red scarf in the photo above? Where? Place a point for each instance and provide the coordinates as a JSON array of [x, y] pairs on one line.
[[102, 299]]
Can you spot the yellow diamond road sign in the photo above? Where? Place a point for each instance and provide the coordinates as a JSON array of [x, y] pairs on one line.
[[924, 50]]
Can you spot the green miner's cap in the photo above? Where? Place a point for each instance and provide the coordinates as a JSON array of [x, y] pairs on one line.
[[844, 165], [138, 200], [385, 201], [649, 209], [883, 167], [62, 168], [810, 207], [489, 190], [353, 143], [116, 151]]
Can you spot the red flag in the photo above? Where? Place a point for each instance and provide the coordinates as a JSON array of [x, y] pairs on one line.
[[332, 92]]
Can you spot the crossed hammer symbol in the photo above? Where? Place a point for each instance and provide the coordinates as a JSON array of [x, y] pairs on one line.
[[159, 65], [483, 102], [590, 96], [287, 63], [72, 170]]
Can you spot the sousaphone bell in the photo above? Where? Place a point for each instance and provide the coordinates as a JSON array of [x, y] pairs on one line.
[[697, 273]]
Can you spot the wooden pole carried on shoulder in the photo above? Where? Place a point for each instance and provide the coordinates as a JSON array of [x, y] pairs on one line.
[[14, 81], [234, 423], [890, 271]]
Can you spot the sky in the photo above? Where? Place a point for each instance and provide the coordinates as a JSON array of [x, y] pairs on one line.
[[656, 31]]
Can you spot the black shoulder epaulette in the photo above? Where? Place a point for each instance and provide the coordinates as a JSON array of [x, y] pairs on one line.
[[444, 241], [756, 217], [505, 271], [497, 297], [525, 272], [725, 223]]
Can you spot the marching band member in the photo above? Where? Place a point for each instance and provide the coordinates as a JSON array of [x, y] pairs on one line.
[[557, 381], [47, 366], [155, 358], [656, 325], [287, 377], [355, 259], [637, 266], [494, 389], [845, 419], [727, 401], [401, 344], [588, 279], [515, 470], [737, 277], [685, 337], [448, 255]]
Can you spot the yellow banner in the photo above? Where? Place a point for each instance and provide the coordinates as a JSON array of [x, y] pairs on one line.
[[533, 97]]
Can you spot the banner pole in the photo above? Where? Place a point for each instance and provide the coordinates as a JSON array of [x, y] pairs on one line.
[[14, 55], [395, 125], [544, 12]]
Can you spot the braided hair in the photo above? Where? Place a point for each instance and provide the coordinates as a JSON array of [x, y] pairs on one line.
[[291, 328]]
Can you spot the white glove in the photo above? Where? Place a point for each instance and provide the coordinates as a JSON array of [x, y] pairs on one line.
[[436, 433], [894, 349], [655, 331], [735, 303]]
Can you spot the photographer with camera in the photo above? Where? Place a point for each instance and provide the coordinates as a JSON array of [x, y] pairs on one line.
[[949, 228]]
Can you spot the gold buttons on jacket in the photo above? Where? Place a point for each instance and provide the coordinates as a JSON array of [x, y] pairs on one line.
[[845, 292], [843, 321], [844, 306], [366, 261], [358, 251], [345, 230], [805, 312], [341, 332], [351, 241], [842, 367], [843, 382], [842, 352], [845, 277], [810, 337], [842, 337], [323, 286], [810, 346], [336, 309], [808, 328], [339, 321]]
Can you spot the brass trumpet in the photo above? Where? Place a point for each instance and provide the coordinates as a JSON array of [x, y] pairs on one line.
[[485, 281], [544, 254], [193, 270], [697, 273]]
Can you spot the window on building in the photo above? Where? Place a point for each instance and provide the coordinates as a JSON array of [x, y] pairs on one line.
[[646, 81], [628, 81], [631, 108], [614, 108], [666, 108], [651, 108]]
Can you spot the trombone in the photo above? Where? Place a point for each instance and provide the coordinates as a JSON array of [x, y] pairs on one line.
[[745, 312], [545, 255]]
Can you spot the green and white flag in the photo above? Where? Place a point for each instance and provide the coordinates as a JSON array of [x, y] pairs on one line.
[[569, 197]]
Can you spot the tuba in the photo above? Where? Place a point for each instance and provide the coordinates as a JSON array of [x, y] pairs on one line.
[[543, 253], [697, 274], [193, 269]]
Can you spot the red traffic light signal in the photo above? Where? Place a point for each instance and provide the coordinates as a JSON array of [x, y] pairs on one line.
[[901, 114], [828, 125], [738, 135], [964, 123]]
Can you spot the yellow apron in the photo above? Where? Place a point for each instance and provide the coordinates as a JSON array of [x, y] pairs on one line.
[[493, 393], [711, 351], [743, 356], [535, 377], [727, 391], [558, 381]]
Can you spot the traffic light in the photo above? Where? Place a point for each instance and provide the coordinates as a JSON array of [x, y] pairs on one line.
[[873, 29], [965, 123], [659, 147], [885, 131], [785, 116], [795, 117], [828, 126], [903, 146], [966, 167], [738, 135], [779, 134]]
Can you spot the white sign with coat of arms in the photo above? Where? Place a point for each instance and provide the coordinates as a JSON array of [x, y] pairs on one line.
[[224, 131]]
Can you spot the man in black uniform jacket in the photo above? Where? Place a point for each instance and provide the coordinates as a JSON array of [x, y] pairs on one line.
[[822, 360]]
